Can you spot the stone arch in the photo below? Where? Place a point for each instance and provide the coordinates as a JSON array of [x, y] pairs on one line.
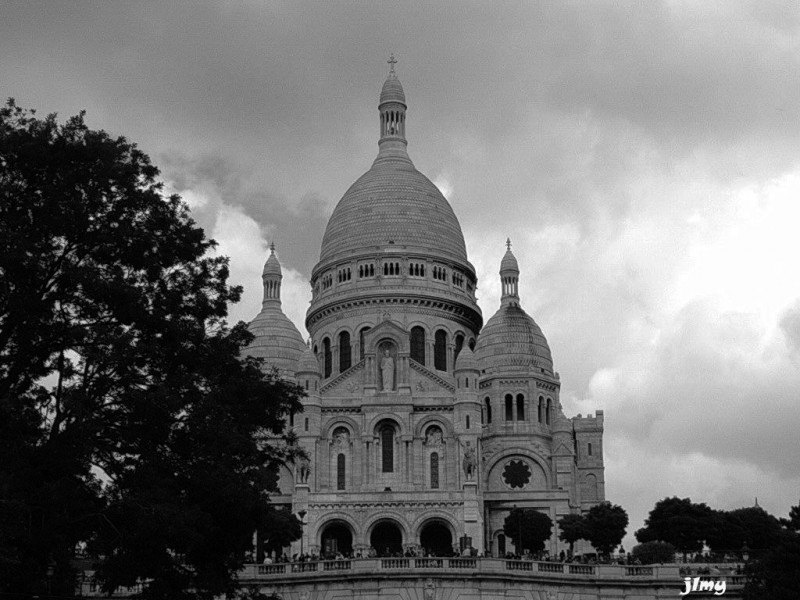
[[590, 491], [340, 420], [440, 534], [337, 517], [330, 546], [372, 426], [435, 515], [426, 421], [386, 516], [517, 451]]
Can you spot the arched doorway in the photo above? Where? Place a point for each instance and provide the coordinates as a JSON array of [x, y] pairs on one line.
[[336, 538], [387, 539], [436, 539]]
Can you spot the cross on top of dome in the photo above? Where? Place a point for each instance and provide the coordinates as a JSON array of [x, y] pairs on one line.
[[392, 62]]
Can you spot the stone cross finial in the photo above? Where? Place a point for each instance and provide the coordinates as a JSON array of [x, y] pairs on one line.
[[272, 247], [392, 62], [508, 243]]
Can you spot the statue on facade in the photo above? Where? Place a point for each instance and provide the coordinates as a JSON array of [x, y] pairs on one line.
[[433, 437], [303, 470], [387, 371], [470, 462]]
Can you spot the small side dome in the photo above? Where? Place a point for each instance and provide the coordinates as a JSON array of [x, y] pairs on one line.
[[512, 341], [309, 363], [466, 361], [276, 340]]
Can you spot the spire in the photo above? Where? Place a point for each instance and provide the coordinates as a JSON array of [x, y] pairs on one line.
[[272, 276], [392, 62], [509, 276]]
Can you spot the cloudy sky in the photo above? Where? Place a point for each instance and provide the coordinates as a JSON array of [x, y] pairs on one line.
[[644, 158]]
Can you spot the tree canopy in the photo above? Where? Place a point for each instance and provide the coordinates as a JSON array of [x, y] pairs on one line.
[[571, 529], [680, 522], [533, 526], [649, 553], [129, 423], [605, 526]]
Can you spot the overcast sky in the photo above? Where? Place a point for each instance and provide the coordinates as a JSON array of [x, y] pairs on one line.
[[643, 157]]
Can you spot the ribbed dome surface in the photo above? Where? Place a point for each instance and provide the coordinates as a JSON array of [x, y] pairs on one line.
[[509, 262], [393, 204], [272, 266], [466, 360], [308, 362], [512, 341], [277, 340], [392, 91]]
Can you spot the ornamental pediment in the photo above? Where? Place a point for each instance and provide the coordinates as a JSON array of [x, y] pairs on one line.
[[423, 380], [346, 384]]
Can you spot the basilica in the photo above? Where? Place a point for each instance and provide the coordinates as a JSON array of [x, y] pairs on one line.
[[422, 425]]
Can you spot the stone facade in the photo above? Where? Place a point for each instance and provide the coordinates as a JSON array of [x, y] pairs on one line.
[[423, 427]]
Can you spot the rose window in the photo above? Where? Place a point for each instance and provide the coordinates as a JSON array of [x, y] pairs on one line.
[[517, 474]]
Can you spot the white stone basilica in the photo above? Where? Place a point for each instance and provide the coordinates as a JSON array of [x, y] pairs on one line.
[[424, 427]]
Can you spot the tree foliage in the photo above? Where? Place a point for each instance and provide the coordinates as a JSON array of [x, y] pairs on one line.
[[534, 527], [680, 522], [605, 526], [572, 528], [751, 526], [775, 573], [128, 420], [650, 553]]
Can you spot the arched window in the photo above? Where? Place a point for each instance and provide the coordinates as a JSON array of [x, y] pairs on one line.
[[467, 421], [340, 471], [509, 407], [459, 346], [501, 545], [589, 448], [345, 356], [361, 334], [547, 413], [418, 344], [488, 403], [306, 424], [434, 470], [440, 350], [327, 358], [387, 449], [520, 407], [541, 407]]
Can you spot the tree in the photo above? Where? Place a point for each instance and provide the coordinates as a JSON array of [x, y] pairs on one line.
[[571, 529], [534, 527], [605, 526], [680, 522], [649, 553], [128, 420], [793, 522], [775, 573], [751, 526]]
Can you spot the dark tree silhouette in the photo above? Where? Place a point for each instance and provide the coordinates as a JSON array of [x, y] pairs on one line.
[[571, 529], [128, 421], [534, 527], [680, 522], [751, 526], [605, 526], [649, 553]]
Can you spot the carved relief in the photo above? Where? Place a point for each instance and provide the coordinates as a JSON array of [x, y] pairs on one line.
[[433, 436], [341, 437]]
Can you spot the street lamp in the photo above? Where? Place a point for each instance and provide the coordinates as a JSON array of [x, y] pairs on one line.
[[302, 514], [519, 531], [745, 552]]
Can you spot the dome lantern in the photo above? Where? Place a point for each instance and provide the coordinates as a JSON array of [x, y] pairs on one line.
[[272, 276], [392, 109], [509, 276]]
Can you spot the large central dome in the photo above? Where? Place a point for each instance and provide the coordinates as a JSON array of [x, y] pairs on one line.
[[393, 204]]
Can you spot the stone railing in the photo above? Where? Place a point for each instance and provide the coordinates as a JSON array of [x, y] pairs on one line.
[[477, 566]]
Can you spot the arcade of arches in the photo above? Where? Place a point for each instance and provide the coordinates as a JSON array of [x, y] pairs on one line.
[[435, 538]]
